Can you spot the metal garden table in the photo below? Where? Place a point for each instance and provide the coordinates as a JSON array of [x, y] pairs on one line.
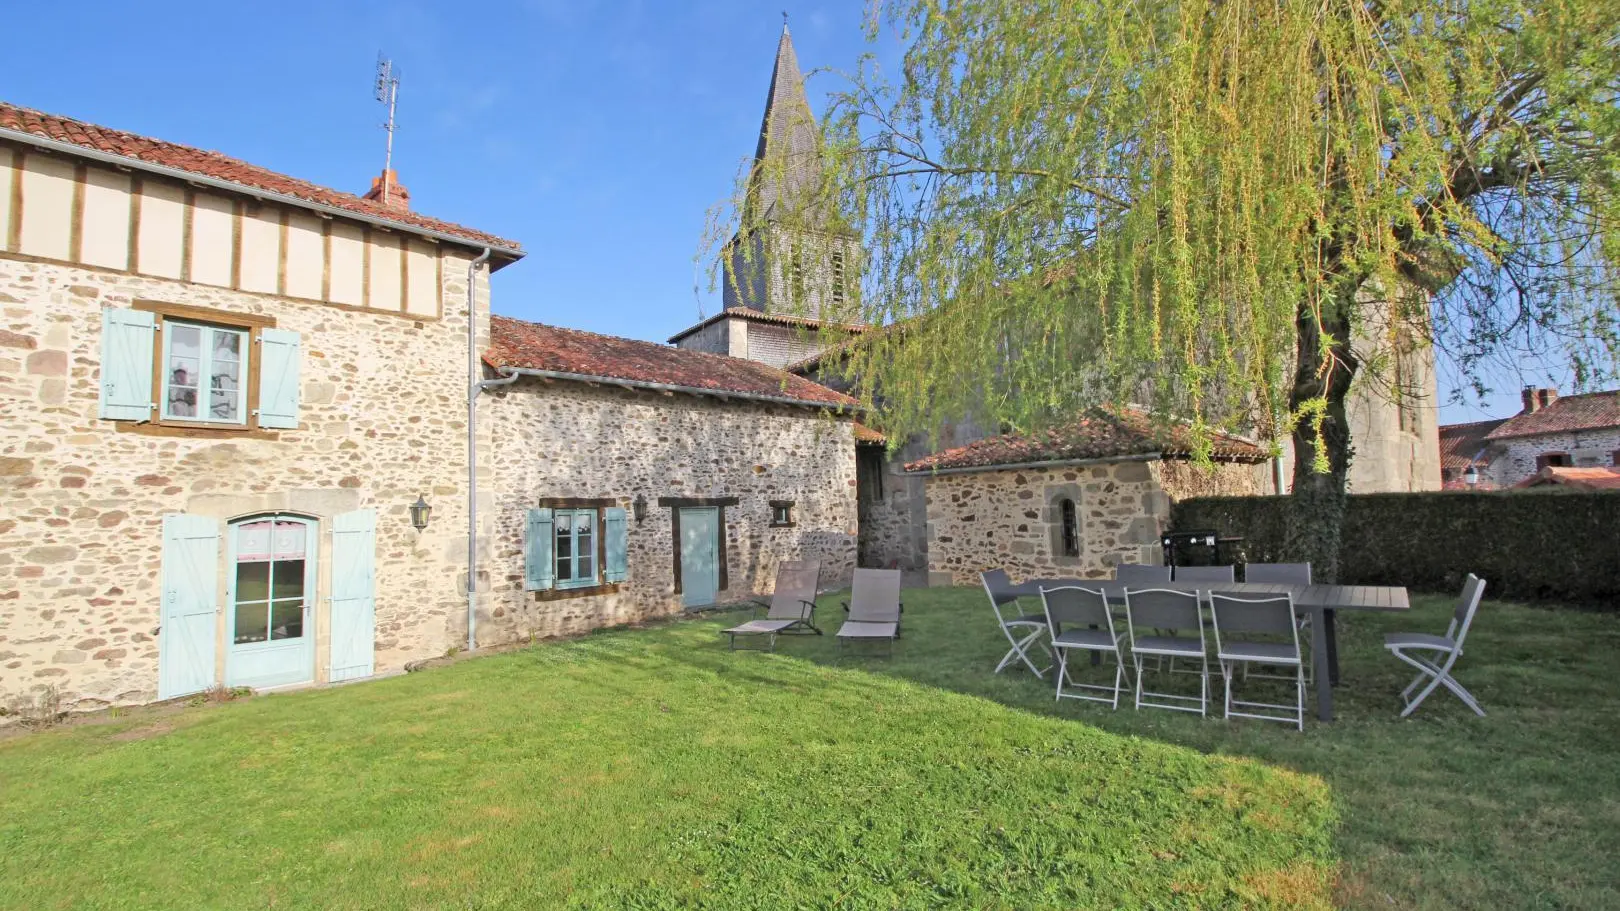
[[1322, 602]]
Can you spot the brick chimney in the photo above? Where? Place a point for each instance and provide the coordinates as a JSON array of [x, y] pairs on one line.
[[399, 198], [1535, 399]]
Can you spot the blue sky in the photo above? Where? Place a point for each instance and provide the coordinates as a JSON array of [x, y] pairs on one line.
[[597, 134]]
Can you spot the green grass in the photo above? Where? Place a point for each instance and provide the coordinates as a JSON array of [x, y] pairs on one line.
[[654, 769]]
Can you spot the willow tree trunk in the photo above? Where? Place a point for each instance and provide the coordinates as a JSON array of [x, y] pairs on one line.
[[1316, 518]]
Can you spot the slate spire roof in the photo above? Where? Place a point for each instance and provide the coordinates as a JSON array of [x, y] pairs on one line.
[[787, 161]]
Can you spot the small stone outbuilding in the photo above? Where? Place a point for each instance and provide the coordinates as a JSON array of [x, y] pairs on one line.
[[1073, 501]]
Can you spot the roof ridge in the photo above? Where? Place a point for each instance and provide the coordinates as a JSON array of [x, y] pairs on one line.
[[661, 346], [216, 165]]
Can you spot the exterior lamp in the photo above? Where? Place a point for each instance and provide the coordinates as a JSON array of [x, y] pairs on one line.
[[639, 505], [420, 512], [1471, 476]]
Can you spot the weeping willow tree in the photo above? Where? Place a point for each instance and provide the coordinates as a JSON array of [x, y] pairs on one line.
[[1228, 211]]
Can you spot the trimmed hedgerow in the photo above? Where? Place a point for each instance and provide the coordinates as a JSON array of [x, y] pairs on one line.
[[1528, 545]]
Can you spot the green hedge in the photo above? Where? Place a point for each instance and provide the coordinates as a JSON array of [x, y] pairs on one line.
[[1527, 545]]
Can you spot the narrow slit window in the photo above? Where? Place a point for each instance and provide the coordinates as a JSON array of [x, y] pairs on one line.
[[781, 513], [1071, 528]]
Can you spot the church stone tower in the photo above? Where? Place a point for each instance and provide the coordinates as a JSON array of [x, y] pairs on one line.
[[791, 271]]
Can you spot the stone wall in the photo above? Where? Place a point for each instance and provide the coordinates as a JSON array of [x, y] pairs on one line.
[[82, 499], [1011, 518], [576, 440], [1513, 460]]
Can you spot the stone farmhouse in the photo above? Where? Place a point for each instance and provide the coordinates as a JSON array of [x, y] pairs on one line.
[[1550, 433], [226, 388]]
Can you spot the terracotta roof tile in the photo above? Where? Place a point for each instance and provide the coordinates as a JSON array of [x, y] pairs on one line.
[[222, 167], [1581, 478], [865, 434], [1101, 434], [516, 343], [1587, 411], [1460, 443]]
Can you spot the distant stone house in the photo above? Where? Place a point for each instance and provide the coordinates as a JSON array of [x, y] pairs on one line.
[[223, 388], [1072, 502], [1551, 431], [632, 480]]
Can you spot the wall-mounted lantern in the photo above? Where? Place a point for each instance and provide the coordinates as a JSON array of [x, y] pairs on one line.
[[420, 512], [1471, 476], [639, 506]]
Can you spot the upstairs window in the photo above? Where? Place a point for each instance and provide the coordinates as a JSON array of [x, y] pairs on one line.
[[576, 547], [1552, 460], [203, 371]]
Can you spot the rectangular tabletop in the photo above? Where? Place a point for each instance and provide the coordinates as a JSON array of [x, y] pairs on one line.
[[1306, 597], [1322, 602]]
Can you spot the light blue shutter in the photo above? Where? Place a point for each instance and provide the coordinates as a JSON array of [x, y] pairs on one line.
[[187, 632], [618, 551], [278, 378], [354, 600], [126, 364], [539, 568]]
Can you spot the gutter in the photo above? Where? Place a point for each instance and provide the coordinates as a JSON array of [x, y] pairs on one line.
[[475, 385], [69, 148], [515, 372], [1054, 463]]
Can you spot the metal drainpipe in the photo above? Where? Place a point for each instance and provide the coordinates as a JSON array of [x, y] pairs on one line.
[[474, 386]]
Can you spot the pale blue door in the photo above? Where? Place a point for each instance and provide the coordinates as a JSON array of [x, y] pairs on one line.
[[700, 552], [270, 595]]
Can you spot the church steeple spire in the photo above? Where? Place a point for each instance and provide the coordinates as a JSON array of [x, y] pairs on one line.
[[787, 159]]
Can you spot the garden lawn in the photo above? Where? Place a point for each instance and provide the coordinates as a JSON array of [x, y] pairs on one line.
[[655, 769]]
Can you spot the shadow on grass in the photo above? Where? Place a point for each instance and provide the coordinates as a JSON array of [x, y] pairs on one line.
[[1435, 809]]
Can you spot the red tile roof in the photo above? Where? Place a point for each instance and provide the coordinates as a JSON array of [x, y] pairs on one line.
[[1460, 443], [222, 167], [865, 434], [1100, 435], [1588, 411], [1581, 478], [516, 343], [759, 316]]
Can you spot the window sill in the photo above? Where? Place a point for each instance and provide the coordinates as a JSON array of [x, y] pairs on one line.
[[782, 525], [197, 431], [563, 594]]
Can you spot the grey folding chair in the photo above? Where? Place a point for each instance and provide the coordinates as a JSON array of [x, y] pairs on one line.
[[1258, 629], [1024, 631], [1080, 619], [1283, 574], [792, 607], [1202, 574], [1141, 574], [874, 608], [1445, 649], [1165, 610]]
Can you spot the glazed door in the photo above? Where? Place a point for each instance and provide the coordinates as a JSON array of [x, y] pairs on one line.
[[700, 552], [270, 594]]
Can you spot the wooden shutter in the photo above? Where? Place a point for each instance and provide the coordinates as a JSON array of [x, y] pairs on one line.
[[126, 364], [187, 635], [354, 594], [617, 544], [278, 378], [539, 567]]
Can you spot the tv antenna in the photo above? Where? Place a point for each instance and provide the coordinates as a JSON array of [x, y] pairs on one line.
[[387, 93]]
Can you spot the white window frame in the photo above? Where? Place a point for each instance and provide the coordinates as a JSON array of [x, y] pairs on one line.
[[205, 363], [573, 517]]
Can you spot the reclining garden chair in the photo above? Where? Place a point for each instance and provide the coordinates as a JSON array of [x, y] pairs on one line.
[[874, 608], [1448, 647], [792, 607], [1022, 630]]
